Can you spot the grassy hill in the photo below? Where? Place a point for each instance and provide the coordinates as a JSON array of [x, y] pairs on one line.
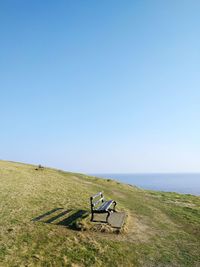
[[162, 229]]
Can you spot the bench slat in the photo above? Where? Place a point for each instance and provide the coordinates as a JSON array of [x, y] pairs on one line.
[[97, 195], [106, 205], [98, 201]]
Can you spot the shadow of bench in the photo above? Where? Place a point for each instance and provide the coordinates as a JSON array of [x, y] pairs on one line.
[[70, 221]]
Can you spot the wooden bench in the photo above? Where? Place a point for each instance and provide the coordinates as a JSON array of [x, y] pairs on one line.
[[100, 205]]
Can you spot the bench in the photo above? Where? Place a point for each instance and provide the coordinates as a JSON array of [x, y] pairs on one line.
[[100, 205]]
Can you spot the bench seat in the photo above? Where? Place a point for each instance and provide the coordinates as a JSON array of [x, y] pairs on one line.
[[105, 206]]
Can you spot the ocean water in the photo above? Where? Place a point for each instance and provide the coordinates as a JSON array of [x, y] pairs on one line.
[[180, 183]]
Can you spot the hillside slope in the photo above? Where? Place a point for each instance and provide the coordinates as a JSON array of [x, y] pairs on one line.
[[162, 229]]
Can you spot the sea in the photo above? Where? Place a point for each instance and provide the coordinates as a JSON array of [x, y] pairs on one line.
[[181, 183]]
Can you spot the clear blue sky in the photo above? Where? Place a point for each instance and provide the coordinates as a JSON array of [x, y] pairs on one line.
[[101, 86]]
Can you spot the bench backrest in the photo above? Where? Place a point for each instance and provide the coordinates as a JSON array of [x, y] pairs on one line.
[[96, 200]]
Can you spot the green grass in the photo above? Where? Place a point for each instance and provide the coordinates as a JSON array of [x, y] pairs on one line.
[[162, 229]]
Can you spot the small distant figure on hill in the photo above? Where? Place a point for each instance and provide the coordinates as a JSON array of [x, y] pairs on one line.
[[40, 167]]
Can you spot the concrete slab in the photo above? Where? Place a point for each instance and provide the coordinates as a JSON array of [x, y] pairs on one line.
[[115, 220]]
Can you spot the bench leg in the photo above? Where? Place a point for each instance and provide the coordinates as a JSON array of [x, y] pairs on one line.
[[92, 217], [115, 203], [107, 216]]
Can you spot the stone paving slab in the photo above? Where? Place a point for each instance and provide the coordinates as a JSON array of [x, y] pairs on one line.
[[116, 219]]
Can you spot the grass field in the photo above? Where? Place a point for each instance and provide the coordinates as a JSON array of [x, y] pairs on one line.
[[162, 229]]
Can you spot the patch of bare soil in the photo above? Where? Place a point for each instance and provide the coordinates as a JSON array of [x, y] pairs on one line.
[[134, 229]]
